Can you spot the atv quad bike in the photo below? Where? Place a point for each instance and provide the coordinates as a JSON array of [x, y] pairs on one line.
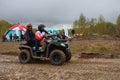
[[56, 50]]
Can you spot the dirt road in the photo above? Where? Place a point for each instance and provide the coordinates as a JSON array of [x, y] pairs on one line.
[[77, 69]]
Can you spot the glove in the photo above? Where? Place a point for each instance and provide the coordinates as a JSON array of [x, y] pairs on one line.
[[45, 31], [45, 36]]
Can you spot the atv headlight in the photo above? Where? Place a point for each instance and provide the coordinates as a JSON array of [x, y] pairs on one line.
[[62, 44]]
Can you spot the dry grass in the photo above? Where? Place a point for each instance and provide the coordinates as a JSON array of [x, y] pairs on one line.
[[7, 47], [77, 46], [95, 46]]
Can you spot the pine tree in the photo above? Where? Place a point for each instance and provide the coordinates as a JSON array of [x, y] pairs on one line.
[[82, 21], [118, 25]]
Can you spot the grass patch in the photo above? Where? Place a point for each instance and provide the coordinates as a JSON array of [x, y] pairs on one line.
[[95, 46], [8, 47], [81, 46]]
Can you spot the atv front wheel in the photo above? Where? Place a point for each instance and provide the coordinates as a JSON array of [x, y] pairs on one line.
[[57, 57], [68, 57], [24, 56]]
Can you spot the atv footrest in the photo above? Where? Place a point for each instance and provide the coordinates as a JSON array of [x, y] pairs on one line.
[[41, 58]]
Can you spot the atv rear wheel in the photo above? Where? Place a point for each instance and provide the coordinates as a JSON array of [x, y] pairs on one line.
[[24, 56], [57, 57]]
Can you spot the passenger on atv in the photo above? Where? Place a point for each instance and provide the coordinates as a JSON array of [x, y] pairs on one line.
[[29, 36]]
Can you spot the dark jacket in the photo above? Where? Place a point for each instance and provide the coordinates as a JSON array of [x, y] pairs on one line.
[[29, 36]]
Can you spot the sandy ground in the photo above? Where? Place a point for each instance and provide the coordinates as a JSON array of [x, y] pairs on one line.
[[76, 69]]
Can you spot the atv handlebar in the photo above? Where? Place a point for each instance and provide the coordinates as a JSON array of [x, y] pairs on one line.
[[54, 37], [50, 36]]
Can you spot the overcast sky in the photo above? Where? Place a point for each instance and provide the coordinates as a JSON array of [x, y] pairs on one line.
[[57, 11]]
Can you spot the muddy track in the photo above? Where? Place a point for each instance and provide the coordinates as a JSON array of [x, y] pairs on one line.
[[77, 69]]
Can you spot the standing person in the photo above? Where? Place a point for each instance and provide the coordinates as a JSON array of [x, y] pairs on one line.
[[58, 35], [73, 33], [40, 36], [15, 37], [29, 35], [3, 38], [63, 35], [10, 37], [22, 37]]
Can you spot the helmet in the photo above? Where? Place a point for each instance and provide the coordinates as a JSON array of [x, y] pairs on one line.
[[29, 27], [41, 27]]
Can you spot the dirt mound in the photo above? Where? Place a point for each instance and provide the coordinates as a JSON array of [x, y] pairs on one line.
[[10, 53], [99, 55]]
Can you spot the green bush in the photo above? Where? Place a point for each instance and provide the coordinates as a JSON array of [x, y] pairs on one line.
[[4, 25]]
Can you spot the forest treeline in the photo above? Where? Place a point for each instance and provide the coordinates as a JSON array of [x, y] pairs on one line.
[[4, 25], [84, 26], [98, 26]]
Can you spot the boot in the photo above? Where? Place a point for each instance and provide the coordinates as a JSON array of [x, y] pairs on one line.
[[36, 53]]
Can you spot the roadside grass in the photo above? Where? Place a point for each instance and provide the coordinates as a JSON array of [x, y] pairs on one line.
[[77, 46], [8, 47], [95, 46]]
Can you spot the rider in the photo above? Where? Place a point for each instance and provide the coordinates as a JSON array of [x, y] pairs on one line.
[[29, 35], [40, 36]]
